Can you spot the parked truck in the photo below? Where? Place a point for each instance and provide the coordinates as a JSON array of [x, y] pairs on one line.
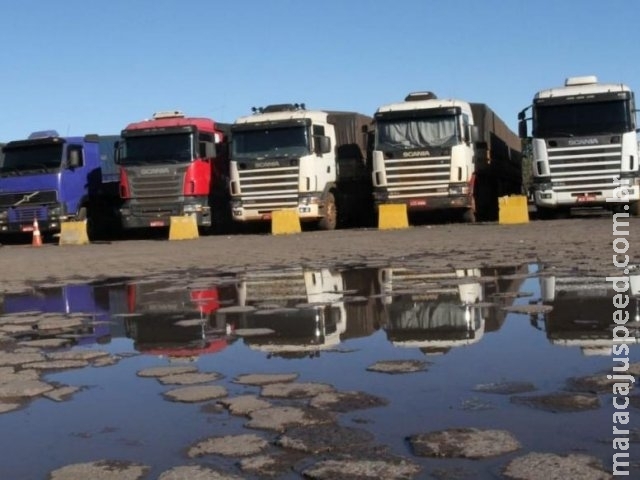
[[314, 162], [173, 165], [90, 305], [582, 313], [444, 155], [302, 311], [51, 179], [584, 145], [426, 312]]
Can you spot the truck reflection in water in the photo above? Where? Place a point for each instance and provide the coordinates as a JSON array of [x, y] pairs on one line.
[[176, 322], [301, 312], [437, 311], [582, 314], [89, 303]]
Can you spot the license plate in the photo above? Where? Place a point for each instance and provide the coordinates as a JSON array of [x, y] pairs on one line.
[[586, 198], [417, 203], [157, 223], [27, 229]]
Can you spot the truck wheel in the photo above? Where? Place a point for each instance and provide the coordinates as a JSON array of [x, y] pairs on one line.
[[469, 216], [330, 219], [82, 214]]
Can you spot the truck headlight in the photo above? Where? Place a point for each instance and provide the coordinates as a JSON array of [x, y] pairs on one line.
[[55, 211], [196, 207], [459, 190], [4, 214]]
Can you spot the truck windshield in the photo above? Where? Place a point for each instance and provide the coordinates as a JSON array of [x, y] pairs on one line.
[[401, 134], [153, 149], [31, 158], [270, 142], [567, 120]]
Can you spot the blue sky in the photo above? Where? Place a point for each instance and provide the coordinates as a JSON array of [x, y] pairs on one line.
[[92, 66]]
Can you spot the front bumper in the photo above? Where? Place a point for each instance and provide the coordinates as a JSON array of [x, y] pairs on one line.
[[135, 215], [431, 203]]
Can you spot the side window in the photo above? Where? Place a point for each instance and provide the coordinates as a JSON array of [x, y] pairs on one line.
[[466, 134], [317, 132], [206, 147], [75, 156]]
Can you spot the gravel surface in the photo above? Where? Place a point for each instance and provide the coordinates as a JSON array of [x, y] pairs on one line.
[[582, 245]]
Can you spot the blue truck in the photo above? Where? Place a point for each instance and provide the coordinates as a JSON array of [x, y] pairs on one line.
[[51, 179]]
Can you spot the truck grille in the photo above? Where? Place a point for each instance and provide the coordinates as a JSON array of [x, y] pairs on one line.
[[28, 198], [418, 177], [268, 189], [585, 168], [28, 214], [169, 183]]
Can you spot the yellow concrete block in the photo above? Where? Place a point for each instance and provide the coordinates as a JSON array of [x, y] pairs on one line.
[[183, 228], [284, 222], [73, 233], [392, 216], [513, 210]]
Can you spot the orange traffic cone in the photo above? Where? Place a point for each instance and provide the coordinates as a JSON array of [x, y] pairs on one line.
[[36, 240]]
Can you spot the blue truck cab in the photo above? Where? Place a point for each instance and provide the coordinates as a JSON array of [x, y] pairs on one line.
[[51, 179]]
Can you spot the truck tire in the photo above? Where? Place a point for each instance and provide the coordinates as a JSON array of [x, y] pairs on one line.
[[469, 215], [330, 219], [82, 214]]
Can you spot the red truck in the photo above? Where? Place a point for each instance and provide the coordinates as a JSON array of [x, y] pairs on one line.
[[172, 165]]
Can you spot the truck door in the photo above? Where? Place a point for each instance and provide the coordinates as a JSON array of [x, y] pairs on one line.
[[326, 165], [75, 178]]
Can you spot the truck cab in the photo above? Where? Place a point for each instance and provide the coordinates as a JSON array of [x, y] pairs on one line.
[[425, 312], [287, 157], [424, 154], [584, 146], [51, 179], [173, 165], [444, 155], [302, 309]]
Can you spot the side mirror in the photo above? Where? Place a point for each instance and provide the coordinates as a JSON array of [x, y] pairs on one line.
[[323, 145], [74, 160], [522, 128], [116, 152]]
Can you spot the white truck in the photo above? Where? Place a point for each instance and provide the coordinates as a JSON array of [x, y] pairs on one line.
[[295, 312], [423, 313], [582, 312], [584, 145], [287, 157], [444, 155]]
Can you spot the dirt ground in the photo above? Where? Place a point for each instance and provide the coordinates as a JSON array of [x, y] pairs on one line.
[[582, 245]]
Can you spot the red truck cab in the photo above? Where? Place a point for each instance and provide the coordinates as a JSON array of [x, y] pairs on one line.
[[172, 165]]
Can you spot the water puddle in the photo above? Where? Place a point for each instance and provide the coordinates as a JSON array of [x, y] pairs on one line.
[[142, 371]]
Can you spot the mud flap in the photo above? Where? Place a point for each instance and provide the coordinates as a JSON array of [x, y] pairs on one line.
[[392, 216], [74, 233], [183, 228], [513, 209], [285, 222]]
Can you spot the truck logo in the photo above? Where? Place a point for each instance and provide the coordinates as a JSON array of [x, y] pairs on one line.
[[584, 141], [25, 198], [420, 153], [273, 163], [154, 171]]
